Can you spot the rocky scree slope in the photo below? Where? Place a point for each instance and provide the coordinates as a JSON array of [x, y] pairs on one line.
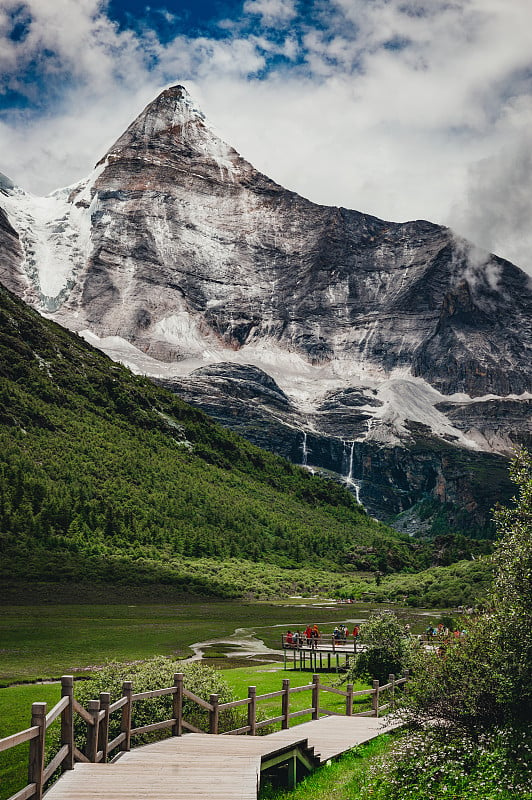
[[395, 355]]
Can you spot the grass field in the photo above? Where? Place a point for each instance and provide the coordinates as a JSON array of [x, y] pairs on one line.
[[15, 715], [47, 641], [268, 678]]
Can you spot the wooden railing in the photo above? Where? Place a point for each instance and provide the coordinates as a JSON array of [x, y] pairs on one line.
[[342, 644], [96, 717]]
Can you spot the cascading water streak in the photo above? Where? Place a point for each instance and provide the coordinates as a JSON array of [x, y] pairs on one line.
[[305, 450], [349, 477]]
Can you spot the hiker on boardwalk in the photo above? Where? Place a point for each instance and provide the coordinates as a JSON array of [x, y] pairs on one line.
[[315, 635], [308, 634], [356, 631]]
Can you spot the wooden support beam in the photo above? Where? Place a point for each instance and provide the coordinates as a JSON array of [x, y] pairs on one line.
[[37, 746], [252, 710], [316, 697], [292, 772], [214, 714], [391, 679], [67, 721], [92, 731], [103, 733], [125, 724], [177, 705], [349, 701], [286, 704], [375, 699]]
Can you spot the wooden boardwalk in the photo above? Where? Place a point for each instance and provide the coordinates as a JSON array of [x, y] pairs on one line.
[[206, 767]]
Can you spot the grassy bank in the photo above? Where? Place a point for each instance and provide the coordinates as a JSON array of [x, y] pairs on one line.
[[343, 779], [15, 715]]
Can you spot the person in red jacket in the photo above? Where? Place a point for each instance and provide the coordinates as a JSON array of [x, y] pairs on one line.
[[315, 635]]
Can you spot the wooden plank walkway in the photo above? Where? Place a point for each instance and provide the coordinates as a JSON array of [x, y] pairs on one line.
[[207, 767]]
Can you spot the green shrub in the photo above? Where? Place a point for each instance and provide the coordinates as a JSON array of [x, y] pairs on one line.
[[158, 673], [485, 679], [388, 648], [155, 673]]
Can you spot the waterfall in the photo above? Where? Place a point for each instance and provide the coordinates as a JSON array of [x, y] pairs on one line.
[[349, 477], [350, 472], [305, 450]]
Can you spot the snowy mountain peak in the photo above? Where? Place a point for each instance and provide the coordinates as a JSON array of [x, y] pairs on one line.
[[172, 109], [172, 128]]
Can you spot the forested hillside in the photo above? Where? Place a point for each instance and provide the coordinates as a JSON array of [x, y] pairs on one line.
[[104, 475]]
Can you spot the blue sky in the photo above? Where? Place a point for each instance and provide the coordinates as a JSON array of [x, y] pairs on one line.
[[197, 18], [401, 108]]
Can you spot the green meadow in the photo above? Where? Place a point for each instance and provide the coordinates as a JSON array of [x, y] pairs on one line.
[[44, 642], [47, 641]]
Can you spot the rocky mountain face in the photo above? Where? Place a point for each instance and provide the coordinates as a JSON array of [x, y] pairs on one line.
[[394, 355]]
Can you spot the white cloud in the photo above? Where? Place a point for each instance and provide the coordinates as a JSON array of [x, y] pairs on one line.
[[272, 12], [405, 110]]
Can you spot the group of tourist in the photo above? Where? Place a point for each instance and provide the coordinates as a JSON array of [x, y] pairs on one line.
[[311, 636], [441, 631]]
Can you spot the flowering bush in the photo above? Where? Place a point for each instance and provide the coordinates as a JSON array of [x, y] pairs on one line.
[[435, 764], [485, 679]]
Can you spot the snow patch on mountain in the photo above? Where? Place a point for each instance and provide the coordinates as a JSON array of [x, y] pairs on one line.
[[412, 400], [403, 398], [55, 238]]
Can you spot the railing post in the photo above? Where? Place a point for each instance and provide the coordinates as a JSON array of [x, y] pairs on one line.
[[349, 701], [92, 731], [252, 710], [375, 698], [391, 679], [177, 705], [285, 701], [67, 721], [103, 733], [316, 697], [125, 724], [36, 757], [213, 714]]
